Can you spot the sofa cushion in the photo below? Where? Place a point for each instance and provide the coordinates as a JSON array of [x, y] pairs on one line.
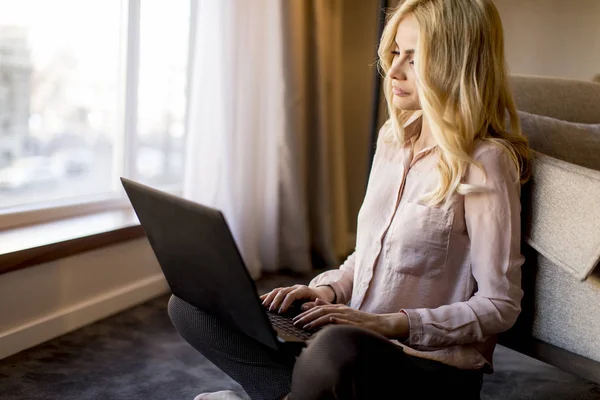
[[566, 313], [565, 99], [576, 143], [562, 214]]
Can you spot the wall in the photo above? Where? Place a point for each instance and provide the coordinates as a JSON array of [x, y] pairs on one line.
[[552, 37], [45, 301]]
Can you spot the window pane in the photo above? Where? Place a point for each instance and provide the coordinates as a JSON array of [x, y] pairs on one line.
[[164, 31], [59, 98]]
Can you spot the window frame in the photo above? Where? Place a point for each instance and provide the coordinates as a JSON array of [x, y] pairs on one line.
[[125, 150]]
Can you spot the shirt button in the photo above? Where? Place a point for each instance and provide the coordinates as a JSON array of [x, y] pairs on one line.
[[416, 338]]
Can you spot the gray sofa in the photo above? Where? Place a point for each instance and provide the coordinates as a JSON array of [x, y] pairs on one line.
[[560, 321]]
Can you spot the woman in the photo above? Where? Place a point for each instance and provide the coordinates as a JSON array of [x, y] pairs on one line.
[[436, 271]]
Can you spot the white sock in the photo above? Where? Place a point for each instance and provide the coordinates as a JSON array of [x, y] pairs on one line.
[[222, 395]]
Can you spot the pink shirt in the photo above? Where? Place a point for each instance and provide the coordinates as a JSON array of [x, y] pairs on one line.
[[455, 270]]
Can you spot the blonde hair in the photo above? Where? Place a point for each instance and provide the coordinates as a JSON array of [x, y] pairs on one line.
[[462, 82]]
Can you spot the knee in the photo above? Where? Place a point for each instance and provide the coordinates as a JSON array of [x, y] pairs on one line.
[[333, 344], [172, 306], [191, 323], [202, 331], [330, 357], [177, 311], [338, 342]]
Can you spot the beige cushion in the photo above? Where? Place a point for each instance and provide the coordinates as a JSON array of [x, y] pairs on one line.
[[573, 142], [565, 99], [562, 214], [566, 312]]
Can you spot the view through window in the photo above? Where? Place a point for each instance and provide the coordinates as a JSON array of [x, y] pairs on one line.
[[62, 90], [161, 109]]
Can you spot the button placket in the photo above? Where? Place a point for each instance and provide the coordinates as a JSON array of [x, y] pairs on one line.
[[407, 163], [405, 170], [373, 263]]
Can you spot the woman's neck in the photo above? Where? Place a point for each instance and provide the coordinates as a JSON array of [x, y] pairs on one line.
[[425, 138]]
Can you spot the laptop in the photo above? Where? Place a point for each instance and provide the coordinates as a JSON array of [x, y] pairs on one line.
[[203, 266]]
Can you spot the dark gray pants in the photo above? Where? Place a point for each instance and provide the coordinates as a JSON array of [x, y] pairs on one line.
[[340, 362]]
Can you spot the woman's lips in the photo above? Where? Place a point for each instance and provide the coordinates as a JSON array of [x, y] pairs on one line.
[[399, 92]]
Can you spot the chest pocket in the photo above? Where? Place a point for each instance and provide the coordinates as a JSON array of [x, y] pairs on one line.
[[417, 243]]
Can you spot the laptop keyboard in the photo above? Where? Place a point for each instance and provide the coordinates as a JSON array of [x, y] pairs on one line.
[[286, 325]]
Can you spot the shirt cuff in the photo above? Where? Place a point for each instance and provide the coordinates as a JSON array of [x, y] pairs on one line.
[[335, 296], [336, 286], [415, 330]]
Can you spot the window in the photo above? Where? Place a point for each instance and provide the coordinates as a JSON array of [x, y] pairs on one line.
[[90, 90], [162, 87]]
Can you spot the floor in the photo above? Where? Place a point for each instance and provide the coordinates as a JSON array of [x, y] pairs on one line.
[[138, 355]]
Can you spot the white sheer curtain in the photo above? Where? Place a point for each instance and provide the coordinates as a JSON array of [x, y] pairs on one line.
[[264, 144], [237, 121]]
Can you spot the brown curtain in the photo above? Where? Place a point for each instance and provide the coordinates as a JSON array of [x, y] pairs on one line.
[[314, 207]]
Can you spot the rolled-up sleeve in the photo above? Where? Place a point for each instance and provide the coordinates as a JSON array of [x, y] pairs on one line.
[[493, 222], [341, 280]]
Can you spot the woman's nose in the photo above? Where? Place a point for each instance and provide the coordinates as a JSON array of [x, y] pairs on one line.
[[397, 72]]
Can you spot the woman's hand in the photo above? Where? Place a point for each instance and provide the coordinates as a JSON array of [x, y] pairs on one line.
[[283, 298], [320, 313]]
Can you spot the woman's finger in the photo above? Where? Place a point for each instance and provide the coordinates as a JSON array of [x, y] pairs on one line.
[[339, 311], [312, 314], [342, 321], [296, 294], [319, 322], [270, 296], [309, 305], [314, 307], [306, 315], [279, 298]]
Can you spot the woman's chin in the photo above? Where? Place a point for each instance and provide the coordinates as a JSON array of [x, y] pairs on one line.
[[406, 106], [405, 103]]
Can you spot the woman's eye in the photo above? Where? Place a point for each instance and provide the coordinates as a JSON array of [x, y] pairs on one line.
[[412, 62], [396, 53]]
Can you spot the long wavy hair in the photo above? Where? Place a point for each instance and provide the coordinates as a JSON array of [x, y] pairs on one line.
[[462, 82]]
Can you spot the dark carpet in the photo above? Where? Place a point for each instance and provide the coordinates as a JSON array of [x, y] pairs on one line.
[[137, 354]]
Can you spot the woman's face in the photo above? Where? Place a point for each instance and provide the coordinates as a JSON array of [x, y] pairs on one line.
[[402, 73]]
